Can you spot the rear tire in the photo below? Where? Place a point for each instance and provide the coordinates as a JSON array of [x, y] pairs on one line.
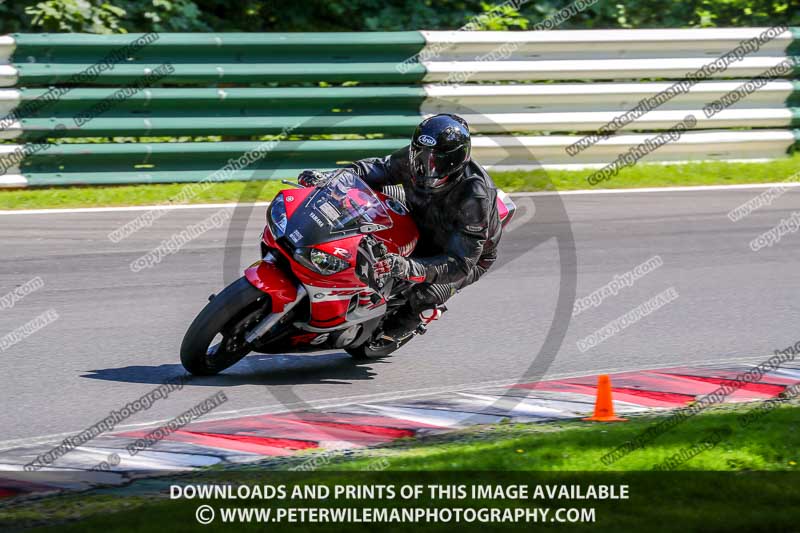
[[237, 308], [368, 351]]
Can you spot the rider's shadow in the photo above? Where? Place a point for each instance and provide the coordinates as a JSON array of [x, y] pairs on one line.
[[258, 369]]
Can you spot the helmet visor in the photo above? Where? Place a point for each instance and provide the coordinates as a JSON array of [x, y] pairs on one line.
[[429, 168]]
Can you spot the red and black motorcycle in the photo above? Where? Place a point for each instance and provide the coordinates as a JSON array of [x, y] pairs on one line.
[[315, 288]]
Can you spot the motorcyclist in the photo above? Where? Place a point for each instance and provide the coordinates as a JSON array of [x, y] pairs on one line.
[[454, 204]]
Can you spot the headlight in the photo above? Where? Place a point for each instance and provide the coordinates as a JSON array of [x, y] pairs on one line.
[[277, 217], [323, 262]]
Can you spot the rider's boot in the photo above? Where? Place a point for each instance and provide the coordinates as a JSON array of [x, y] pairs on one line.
[[407, 322]]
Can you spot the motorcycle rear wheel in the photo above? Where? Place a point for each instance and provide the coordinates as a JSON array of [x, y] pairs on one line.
[[368, 350], [231, 313]]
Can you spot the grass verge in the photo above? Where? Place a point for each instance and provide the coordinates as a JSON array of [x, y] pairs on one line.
[[769, 444], [645, 175], [755, 454]]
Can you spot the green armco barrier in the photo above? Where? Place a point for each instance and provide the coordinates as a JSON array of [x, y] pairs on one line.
[[230, 100], [201, 125], [43, 59], [220, 48], [794, 48], [63, 45], [229, 111], [212, 73], [794, 96], [546, 89], [53, 179], [177, 162]]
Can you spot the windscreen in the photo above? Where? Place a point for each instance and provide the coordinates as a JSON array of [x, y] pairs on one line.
[[345, 205]]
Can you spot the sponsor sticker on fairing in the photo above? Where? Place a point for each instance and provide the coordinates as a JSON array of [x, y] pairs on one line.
[[329, 210]]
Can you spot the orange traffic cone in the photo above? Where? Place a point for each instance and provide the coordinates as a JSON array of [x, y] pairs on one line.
[[604, 405]]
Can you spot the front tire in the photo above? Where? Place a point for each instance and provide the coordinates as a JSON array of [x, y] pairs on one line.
[[231, 313]]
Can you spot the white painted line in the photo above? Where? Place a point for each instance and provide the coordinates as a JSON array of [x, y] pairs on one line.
[[160, 207], [586, 165], [659, 189]]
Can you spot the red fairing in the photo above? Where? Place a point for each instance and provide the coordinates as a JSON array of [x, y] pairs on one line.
[[330, 308], [293, 198], [267, 237], [328, 314], [505, 208], [330, 297], [269, 278], [502, 210], [403, 236]]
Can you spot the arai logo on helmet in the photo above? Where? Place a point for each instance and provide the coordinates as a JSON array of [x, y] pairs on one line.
[[426, 140]]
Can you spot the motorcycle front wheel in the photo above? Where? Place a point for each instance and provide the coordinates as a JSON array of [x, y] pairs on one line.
[[216, 338]]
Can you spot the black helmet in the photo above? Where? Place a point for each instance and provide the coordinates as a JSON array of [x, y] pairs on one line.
[[439, 152]]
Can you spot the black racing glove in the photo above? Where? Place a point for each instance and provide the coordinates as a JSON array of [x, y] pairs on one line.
[[313, 178], [397, 266]]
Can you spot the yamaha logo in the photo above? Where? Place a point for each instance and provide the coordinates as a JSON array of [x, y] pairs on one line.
[[426, 140]]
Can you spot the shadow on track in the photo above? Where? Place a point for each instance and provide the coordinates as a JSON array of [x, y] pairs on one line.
[[329, 369]]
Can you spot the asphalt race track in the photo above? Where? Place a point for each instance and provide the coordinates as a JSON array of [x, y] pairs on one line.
[[118, 332]]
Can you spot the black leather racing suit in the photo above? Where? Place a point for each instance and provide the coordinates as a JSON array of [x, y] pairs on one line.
[[459, 227]]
